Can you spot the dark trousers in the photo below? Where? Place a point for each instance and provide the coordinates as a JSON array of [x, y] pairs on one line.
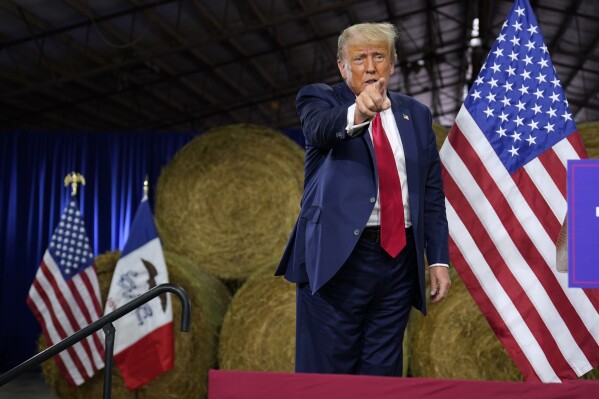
[[355, 323]]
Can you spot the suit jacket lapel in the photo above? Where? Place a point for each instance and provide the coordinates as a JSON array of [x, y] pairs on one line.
[[348, 98]]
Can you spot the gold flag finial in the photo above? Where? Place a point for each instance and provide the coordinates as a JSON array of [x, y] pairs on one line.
[[74, 179], [146, 186]]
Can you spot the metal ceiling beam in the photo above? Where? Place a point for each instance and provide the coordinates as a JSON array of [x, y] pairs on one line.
[[279, 44], [568, 15], [86, 23], [160, 63], [320, 37], [485, 9], [86, 11], [67, 41], [450, 48], [545, 6], [18, 105], [172, 33], [430, 64], [287, 92], [585, 103], [274, 36], [149, 55], [580, 61], [89, 13], [206, 14], [341, 4], [469, 14], [56, 68]]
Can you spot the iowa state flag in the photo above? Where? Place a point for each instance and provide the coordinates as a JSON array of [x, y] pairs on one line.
[[144, 346]]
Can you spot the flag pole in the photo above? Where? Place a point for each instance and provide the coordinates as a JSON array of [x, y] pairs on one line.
[[74, 179], [146, 187]]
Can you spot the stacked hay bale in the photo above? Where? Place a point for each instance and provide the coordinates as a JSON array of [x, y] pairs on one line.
[[259, 328], [454, 341], [258, 331], [195, 352], [456, 332], [590, 137], [440, 133], [228, 199]]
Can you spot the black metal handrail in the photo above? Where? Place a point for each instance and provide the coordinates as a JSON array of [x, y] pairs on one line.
[[104, 323]]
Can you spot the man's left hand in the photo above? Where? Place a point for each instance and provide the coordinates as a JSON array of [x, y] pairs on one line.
[[440, 282]]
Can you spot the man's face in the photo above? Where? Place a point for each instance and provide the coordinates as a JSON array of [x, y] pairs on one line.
[[364, 64]]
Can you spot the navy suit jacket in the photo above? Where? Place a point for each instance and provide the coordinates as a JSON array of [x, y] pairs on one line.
[[340, 186]]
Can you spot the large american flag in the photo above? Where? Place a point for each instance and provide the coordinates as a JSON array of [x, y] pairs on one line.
[[65, 297], [504, 170]]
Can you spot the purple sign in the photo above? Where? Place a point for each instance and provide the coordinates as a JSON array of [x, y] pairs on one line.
[[583, 223]]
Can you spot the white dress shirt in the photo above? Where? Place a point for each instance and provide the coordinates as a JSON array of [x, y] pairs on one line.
[[390, 127], [392, 132]]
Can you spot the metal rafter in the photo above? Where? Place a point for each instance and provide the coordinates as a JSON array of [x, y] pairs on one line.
[[75, 77], [148, 55], [199, 56], [73, 44], [581, 59], [430, 63], [572, 9], [273, 36], [320, 37], [85, 23], [57, 68], [207, 15], [170, 78], [155, 55], [159, 62], [18, 104], [288, 92], [466, 29]]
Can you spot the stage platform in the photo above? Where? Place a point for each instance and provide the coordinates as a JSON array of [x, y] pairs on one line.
[[258, 385]]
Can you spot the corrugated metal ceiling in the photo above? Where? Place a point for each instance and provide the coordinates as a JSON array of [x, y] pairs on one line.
[[175, 65]]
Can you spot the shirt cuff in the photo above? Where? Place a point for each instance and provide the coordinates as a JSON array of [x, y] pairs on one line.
[[438, 264], [353, 130]]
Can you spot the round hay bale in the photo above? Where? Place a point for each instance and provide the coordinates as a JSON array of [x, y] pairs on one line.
[[195, 351], [454, 341], [229, 199], [259, 328], [258, 331], [440, 133], [591, 375], [590, 137]]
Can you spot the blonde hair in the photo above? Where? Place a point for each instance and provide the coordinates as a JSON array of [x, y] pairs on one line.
[[369, 32]]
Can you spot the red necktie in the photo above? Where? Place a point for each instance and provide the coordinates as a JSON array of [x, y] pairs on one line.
[[393, 234]]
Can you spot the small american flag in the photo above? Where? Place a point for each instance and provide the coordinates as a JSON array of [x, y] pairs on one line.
[[504, 171], [65, 297]]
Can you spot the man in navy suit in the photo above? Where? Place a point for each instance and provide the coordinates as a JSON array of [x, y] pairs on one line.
[[373, 206]]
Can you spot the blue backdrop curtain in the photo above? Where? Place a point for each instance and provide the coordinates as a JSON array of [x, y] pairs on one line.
[[32, 197]]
